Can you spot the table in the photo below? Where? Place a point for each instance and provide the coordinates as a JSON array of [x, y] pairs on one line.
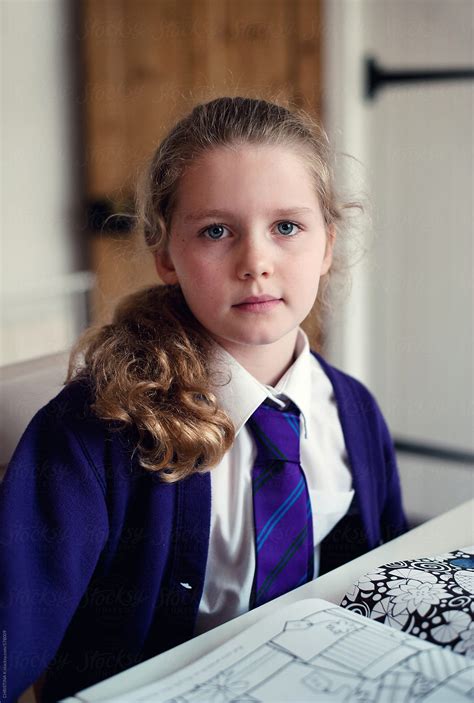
[[452, 530]]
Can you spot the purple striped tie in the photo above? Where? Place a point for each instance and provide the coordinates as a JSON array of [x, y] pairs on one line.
[[282, 508]]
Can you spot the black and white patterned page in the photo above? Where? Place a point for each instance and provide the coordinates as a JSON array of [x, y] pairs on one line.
[[431, 598]]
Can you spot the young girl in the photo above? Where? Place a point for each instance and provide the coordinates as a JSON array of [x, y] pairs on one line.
[[118, 540]]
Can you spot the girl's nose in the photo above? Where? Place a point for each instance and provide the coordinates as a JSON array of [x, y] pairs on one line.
[[254, 259]]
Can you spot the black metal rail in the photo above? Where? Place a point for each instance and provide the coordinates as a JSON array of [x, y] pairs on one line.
[[377, 77], [459, 456]]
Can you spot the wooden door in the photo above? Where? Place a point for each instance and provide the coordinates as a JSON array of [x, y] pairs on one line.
[[146, 63]]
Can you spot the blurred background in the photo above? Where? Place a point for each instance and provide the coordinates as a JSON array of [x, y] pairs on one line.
[[89, 89]]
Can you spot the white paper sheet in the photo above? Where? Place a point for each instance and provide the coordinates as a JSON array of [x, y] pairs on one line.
[[316, 651]]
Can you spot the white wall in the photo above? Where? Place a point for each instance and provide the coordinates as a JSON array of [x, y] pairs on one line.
[[345, 120], [39, 188], [407, 330]]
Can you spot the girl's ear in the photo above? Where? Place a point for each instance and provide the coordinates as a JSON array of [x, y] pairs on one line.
[[330, 241], [165, 267]]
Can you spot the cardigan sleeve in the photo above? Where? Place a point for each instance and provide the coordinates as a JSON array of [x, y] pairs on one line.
[[393, 520], [53, 526]]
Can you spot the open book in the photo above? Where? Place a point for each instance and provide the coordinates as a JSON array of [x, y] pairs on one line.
[[314, 650]]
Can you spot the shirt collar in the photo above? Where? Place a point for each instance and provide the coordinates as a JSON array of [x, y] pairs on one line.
[[240, 394]]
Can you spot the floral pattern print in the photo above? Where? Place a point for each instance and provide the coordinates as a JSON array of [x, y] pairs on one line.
[[432, 598]]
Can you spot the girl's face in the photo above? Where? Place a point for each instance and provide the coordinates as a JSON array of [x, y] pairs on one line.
[[248, 223]]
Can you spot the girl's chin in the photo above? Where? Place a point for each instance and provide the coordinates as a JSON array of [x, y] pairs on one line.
[[253, 339]]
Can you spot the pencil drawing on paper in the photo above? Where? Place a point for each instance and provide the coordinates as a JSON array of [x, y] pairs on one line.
[[332, 656]]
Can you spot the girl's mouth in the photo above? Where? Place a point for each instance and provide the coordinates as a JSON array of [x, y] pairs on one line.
[[263, 306]]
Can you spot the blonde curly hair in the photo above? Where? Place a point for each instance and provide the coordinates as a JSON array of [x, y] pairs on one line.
[[150, 368]]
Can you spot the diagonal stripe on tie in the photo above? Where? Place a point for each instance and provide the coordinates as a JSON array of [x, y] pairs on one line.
[[294, 424], [290, 552], [267, 442], [266, 474], [279, 514]]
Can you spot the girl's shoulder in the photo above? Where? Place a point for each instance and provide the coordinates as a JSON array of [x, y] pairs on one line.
[[66, 438], [74, 405], [76, 397], [358, 408], [344, 384], [70, 409], [71, 413]]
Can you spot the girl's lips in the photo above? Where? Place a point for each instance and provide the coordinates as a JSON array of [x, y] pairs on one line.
[[258, 307]]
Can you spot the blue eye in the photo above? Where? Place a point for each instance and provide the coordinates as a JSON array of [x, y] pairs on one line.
[[213, 231], [216, 231], [285, 226]]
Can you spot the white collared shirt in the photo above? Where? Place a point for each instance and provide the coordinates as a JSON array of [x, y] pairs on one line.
[[231, 560]]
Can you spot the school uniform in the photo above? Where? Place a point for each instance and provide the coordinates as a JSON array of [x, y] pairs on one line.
[[104, 566], [230, 565]]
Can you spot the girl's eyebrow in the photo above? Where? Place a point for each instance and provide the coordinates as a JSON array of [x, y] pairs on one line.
[[282, 212]]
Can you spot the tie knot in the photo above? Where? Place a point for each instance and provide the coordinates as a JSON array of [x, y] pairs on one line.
[[276, 433]]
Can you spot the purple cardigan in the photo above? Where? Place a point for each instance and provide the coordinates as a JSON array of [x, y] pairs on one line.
[[94, 549]]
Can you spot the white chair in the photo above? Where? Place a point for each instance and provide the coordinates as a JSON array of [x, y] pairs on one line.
[[24, 388]]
